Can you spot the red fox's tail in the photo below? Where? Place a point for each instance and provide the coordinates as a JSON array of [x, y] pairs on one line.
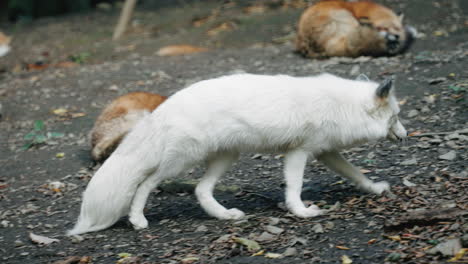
[[106, 136]]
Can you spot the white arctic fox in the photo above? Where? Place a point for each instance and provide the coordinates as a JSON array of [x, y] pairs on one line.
[[213, 121]]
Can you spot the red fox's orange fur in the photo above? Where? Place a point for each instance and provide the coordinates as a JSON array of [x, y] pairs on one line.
[[339, 28], [118, 118]]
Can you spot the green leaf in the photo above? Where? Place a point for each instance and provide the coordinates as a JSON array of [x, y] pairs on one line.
[[38, 125], [433, 242], [55, 135], [394, 257], [40, 139], [27, 146], [29, 136], [124, 255], [250, 244]]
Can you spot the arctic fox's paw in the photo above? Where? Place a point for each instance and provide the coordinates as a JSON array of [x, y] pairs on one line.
[[307, 212], [379, 187], [139, 222], [232, 214]]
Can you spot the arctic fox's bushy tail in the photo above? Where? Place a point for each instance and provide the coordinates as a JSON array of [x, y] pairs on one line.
[[110, 192]]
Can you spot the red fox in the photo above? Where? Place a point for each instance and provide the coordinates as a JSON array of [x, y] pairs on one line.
[[351, 29], [118, 118], [4, 44]]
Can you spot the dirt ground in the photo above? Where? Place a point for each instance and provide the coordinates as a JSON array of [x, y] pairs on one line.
[[423, 221]]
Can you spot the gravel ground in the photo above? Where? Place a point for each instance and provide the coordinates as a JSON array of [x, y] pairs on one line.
[[423, 221]]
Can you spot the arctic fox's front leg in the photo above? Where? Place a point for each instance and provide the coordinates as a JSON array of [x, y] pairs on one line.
[[340, 165], [204, 191], [294, 165]]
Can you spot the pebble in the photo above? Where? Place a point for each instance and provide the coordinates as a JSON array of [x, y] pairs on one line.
[[409, 162], [289, 252], [451, 155], [265, 236], [201, 228], [274, 229], [318, 228], [413, 113]]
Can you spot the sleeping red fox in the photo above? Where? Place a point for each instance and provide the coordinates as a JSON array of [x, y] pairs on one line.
[[339, 28], [118, 118]]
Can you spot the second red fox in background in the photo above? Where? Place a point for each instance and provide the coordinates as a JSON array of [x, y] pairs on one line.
[[118, 118], [351, 29]]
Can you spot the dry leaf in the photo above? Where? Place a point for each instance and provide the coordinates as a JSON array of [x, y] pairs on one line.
[[226, 26], [459, 255], [42, 239], [174, 50], [415, 133], [273, 255], [394, 238], [342, 247], [259, 253], [372, 241], [60, 111], [346, 260], [364, 171]]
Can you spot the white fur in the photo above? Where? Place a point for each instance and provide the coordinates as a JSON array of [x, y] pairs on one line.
[[4, 49], [215, 120]]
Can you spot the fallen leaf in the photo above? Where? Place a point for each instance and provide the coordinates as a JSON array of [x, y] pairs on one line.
[[42, 240], [60, 155], [69, 260], [250, 244], [336, 183], [460, 254], [364, 171], [273, 255], [124, 255], [342, 247], [76, 115], [259, 253], [346, 260], [174, 50], [189, 260], [394, 238], [226, 26], [60, 111], [372, 241], [415, 133]]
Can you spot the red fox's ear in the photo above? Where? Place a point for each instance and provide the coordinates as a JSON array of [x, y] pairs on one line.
[[401, 16], [384, 88]]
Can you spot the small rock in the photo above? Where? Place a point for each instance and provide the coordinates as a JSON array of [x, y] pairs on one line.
[[447, 248], [201, 228], [273, 220], [425, 109], [355, 70], [289, 252], [76, 239], [464, 241], [265, 236], [413, 113], [113, 88], [451, 155], [223, 238], [274, 230], [5, 223], [329, 225], [407, 183], [19, 243], [437, 80], [318, 228], [408, 162]]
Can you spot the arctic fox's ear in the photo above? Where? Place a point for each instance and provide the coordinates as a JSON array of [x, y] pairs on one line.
[[401, 17], [384, 88], [362, 77]]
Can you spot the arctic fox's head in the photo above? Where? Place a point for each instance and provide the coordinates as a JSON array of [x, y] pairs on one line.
[[388, 110]]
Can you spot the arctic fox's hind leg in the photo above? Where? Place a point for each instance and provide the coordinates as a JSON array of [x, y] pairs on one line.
[[340, 165], [204, 190], [294, 165]]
